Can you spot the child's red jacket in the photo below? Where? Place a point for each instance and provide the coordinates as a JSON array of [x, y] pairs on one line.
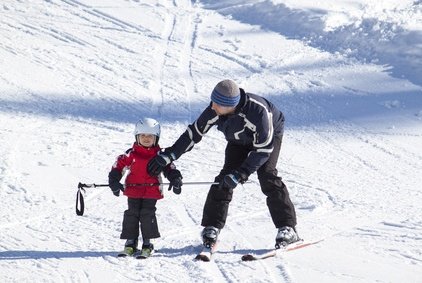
[[134, 162]]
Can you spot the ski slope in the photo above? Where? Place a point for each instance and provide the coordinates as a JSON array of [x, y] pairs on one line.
[[76, 75]]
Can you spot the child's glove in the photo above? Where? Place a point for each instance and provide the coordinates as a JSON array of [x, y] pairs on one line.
[[175, 178], [114, 182], [116, 188]]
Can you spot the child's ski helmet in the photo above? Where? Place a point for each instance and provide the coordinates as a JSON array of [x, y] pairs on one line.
[[148, 126]]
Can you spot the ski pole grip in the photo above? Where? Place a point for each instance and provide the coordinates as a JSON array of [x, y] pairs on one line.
[[80, 186]]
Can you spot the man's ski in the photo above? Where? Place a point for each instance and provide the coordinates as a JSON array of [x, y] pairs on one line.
[[206, 253], [273, 252]]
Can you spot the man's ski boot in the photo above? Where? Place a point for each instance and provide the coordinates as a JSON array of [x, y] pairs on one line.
[[209, 239], [131, 246], [209, 236], [286, 235], [145, 252]]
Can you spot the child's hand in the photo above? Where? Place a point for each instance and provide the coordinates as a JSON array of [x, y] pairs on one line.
[[114, 182], [176, 184], [175, 178], [116, 187]]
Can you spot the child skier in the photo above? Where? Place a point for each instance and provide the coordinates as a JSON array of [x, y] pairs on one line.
[[142, 195]]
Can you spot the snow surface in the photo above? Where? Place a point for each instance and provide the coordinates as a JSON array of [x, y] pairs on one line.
[[76, 75]]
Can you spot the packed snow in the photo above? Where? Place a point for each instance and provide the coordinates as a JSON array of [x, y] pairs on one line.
[[77, 74]]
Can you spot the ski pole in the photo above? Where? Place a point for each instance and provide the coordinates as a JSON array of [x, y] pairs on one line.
[[80, 204], [184, 183], [81, 186]]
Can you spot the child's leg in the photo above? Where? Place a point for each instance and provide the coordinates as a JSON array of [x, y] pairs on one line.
[[149, 226], [131, 218]]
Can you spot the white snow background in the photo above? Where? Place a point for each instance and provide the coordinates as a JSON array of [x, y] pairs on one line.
[[76, 75]]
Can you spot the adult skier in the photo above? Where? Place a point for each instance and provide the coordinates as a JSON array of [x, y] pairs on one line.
[[253, 128]]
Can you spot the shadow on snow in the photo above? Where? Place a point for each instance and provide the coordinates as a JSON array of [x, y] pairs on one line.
[[28, 254], [301, 109]]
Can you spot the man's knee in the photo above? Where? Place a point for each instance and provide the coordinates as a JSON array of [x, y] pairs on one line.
[[270, 182], [217, 194]]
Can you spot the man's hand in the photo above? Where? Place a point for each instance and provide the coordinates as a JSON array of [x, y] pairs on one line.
[[158, 163], [231, 180]]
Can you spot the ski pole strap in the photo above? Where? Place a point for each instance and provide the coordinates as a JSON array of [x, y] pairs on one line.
[[80, 205]]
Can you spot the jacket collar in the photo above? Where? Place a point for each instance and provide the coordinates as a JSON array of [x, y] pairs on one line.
[[243, 99], [148, 150]]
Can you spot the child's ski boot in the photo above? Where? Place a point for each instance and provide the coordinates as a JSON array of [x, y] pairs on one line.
[[130, 248], [145, 252]]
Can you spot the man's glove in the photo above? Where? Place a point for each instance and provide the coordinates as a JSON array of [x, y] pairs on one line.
[[175, 178], [231, 180], [114, 182], [157, 164]]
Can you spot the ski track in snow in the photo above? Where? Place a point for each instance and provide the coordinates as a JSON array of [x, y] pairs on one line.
[[91, 69], [175, 73]]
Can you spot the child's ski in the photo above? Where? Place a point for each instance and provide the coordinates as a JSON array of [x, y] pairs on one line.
[[143, 254], [128, 251]]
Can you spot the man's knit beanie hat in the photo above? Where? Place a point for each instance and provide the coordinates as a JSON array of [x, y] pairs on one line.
[[226, 93]]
